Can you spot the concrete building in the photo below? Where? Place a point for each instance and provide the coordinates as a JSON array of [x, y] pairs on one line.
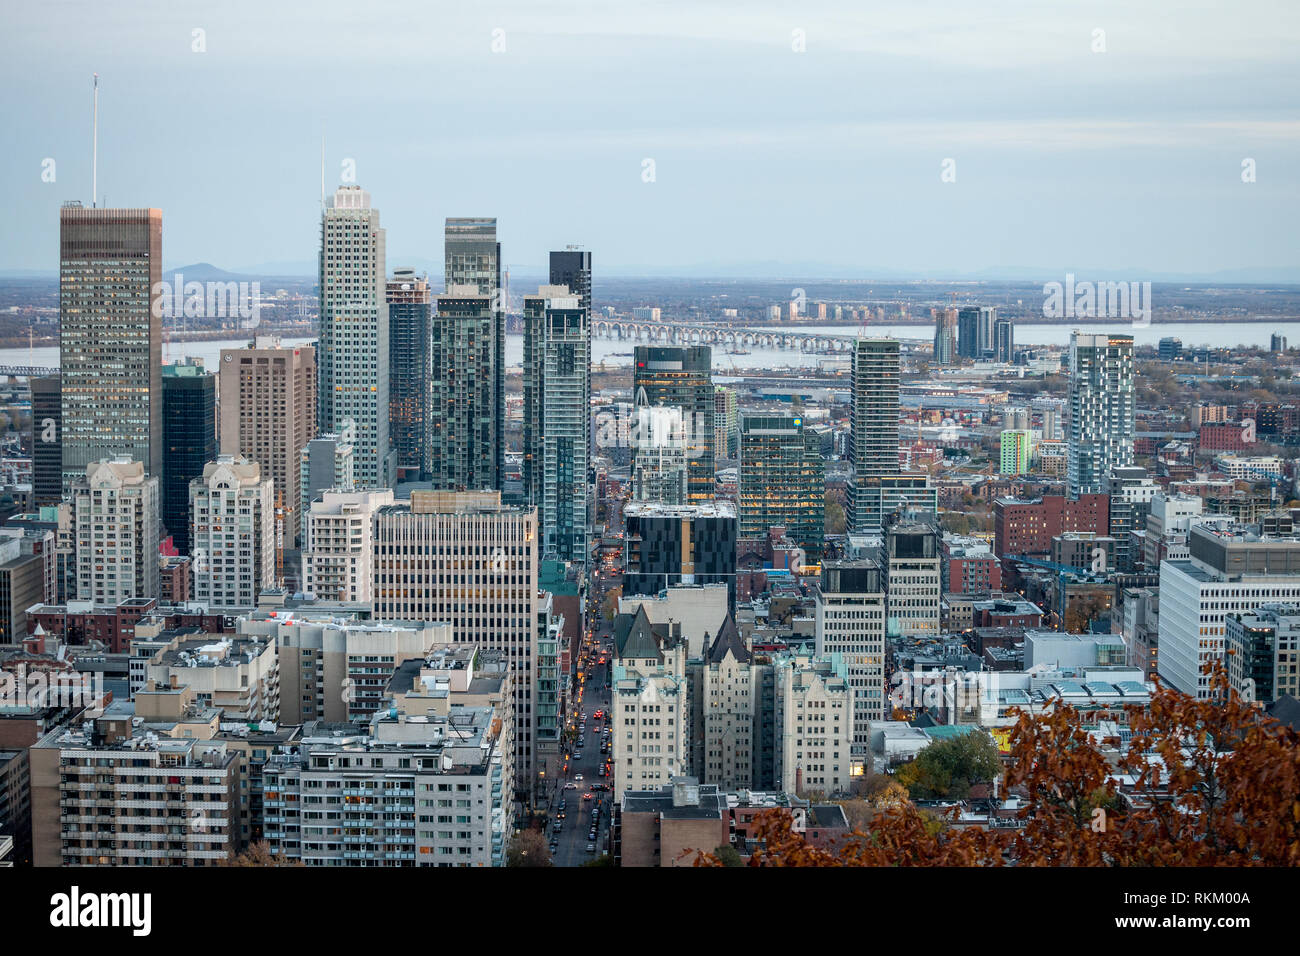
[[110, 337], [728, 703], [726, 423], [338, 544], [466, 558], [115, 515], [695, 608], [873, 425], [336, 670], [1017, 451], [145, 784], [651, 710], [814, 725], [268, 415], [1228, 573], [850, 606], [659, 449], [232, 524], [913, 586], [326, 464], [237, 675], [667, 825], [353, 374]]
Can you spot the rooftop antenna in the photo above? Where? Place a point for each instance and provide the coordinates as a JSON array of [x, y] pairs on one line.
[[94, 147]]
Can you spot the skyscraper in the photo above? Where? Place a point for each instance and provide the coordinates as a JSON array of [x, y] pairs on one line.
[[353, 348], [975, 331], [1004, 340], [115, 507], [571, 267], [1101, 410], [782, 480], [467, 413], [1017, 451], [557, 418], [681, 377], [268, 415], [232, 510], [47, 449], [189, 441], [873, 427], [410, 368], [658, 439], [110, 337], [945, 336], [473, 258], [726, 419]]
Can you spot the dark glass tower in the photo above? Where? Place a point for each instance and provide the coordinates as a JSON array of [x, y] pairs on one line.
[[466, 410], [189, 442], [681, 377], [47, 446], [410, 378]]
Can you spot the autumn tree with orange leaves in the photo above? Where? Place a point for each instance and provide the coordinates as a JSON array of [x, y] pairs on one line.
[[1203, 783]]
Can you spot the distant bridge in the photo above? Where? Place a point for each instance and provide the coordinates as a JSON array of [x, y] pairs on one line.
[[26, 371], [669, 333]]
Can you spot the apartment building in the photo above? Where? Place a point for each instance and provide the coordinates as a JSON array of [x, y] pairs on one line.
[[850, 608], [338, 544], [232, 525], [236, 675], [650, 693], [814, 725], [115, 514]]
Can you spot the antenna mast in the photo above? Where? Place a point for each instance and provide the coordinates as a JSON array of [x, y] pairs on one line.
[[94, 148]]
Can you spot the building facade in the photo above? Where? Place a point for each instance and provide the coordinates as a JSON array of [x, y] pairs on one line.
[[232, 525]]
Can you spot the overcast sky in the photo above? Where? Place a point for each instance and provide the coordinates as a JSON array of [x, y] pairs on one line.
[[766, 160]]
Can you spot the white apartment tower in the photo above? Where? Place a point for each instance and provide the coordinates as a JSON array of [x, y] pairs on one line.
[[850, 621], [352, 353], [338, 545], [1101, 410], [232, 525], [115, 513]]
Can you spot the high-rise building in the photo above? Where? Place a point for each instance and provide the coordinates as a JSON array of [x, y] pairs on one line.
[[726, 423], [1170, 349], [325, 465], [353, 356], [464, 557], [268, 415], [338, 545], [975, 331], [571, 267], [47, 444], [649, 696], [782, 480], [190, 441], [681, 377], [850, 622], [410, 371], [1262, 647], [1101, 410], [1004, 340], [467, 413], [115, 509], [232, 527], [473, 258], [812, 756], [945, 336], [1017, 451], [873, 426], [110, 337], [557, 419], [685, 544], [1277, 342], [913, 578], [658, 440]]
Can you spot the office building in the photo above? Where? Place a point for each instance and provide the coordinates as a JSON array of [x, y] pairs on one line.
[[47, 444], [410, 371], [873, 427], [681, 378], [782, 480], [467, 410], [1229, 572], [726, 423], [975, 331], [667, 545], [850, 604], [189, 440], [232, 525], [666, 825], [115, 514], [473, 258], [338, 545], [110, 337], [1263, 652], [1277, 342], [557, 419], [239, 676], [466, 558], [912, 578], [352, 370], [1101, 410]]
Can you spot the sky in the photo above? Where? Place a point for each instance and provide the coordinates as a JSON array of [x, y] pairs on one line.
[[936, 138]]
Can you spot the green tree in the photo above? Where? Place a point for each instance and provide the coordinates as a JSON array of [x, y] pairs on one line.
[[835, 522], [947, 768], [728, 856]]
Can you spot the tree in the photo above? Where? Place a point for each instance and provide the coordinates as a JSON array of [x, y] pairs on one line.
[[603, 860], [835, 521], [1211, 782], [258, 854], [528, 848], [728, 856], [947, 768], [609, 607]]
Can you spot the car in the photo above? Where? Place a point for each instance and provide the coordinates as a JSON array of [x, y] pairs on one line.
[[578, 755], [570, 786], [587, 795], [560, 815], [577, 777], [591, 847]]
